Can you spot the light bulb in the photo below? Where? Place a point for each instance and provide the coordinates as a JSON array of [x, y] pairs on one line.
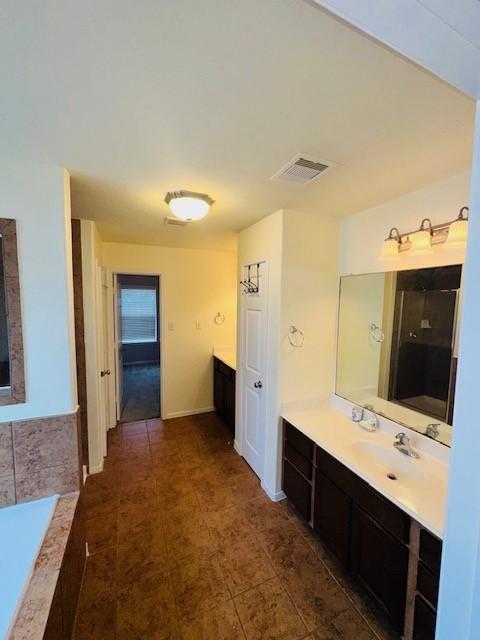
[[457, 234], [421, 242], [390, 249], [188, 208]]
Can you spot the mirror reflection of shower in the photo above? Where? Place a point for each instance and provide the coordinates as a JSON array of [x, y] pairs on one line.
[[397, 345], [423, 363]]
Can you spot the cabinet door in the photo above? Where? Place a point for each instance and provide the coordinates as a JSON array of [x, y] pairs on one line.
[[425, 621], [230, 404], [219, 391], [380, 563], [332, 517], [298, 490]]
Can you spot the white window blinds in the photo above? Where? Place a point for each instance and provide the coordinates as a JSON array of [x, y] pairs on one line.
[[138, 314]]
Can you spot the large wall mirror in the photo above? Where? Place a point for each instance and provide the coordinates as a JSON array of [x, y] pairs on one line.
[[12, 377], [397, 346]]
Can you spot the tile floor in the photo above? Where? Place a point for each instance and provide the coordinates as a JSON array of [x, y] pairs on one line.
[[185, 545]]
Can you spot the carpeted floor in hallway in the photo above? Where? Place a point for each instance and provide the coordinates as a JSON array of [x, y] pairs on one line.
[[141, 392]]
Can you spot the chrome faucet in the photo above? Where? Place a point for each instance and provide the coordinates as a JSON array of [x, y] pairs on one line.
[[433, 430], [367, 422], [402, 444]]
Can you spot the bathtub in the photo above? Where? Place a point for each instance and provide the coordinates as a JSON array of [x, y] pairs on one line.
[[22, 530]]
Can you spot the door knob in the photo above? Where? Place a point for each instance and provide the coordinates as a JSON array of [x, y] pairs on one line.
[[258, 385], [105, 372]]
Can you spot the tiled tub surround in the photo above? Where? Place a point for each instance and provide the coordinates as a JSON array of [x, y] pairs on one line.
[[328, 424], [39, 457], [22, 530], [49, 605]]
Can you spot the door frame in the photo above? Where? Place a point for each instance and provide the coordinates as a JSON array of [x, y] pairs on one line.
[[161, 323], [239, 409]]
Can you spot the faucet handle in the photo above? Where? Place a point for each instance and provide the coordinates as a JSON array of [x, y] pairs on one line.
[[401, 437]]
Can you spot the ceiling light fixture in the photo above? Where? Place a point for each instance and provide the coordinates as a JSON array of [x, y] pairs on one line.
[[189, 205], [452, 234]]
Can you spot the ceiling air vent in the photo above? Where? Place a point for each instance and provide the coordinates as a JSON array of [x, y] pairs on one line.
[[302, 169], [175, 222]]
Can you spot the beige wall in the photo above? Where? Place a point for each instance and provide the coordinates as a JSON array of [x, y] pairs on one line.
[[358, 360], [309, 301], [38, 198], [196, 284]]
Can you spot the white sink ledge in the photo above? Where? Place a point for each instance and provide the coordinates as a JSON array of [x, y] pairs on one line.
[[421, 485]]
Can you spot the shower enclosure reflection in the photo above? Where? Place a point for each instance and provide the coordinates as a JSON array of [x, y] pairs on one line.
[[397, 344]]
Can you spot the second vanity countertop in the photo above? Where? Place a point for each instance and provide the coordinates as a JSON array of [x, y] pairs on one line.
[[421, 488], [227, 356]]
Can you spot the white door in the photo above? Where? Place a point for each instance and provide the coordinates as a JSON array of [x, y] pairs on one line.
[[109, 347], [118, 348], [253, 370], [102, 391]]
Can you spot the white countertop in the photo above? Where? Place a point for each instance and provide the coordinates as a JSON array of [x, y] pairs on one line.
[[422, 495], [227, 355]]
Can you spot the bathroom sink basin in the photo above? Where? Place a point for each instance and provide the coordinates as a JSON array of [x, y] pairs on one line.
[[391, 464]]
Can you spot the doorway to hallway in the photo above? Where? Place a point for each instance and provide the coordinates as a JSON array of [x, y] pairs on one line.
[[138, 347]]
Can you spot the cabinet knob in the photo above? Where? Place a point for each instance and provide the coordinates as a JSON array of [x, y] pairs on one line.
[[258, 385]]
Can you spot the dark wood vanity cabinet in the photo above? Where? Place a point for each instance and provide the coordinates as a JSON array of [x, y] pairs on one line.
[[332, 517], [224, 393], [368, 534], [380, 562], [428, 577], [298, 454], [297, 489]]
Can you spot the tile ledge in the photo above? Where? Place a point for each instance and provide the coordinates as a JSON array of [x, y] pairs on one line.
[[31, 620]]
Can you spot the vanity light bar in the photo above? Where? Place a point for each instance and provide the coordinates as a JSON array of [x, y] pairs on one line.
[[438, 233]]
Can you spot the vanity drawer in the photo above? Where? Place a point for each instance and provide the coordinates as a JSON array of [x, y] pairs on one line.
[[299, 441], [393, 519], [430, 551], [298, 461], [427, 584], [336, 471], [298, 490]]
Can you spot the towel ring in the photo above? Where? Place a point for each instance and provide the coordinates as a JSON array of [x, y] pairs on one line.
[[295, 336], [219, 318], [376, 333]]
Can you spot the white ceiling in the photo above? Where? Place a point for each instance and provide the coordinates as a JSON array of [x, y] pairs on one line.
[[463, 16], [136, 98]]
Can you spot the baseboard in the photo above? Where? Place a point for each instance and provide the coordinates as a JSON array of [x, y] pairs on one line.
[[190, 412], [236, 446], [274, 496]]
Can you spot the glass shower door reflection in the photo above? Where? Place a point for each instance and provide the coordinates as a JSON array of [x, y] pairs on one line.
[[423, 358]]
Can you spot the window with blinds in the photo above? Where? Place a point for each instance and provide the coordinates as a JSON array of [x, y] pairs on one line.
[[138, 307]]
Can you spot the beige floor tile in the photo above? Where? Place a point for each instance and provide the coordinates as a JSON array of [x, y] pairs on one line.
[[267, 613]]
